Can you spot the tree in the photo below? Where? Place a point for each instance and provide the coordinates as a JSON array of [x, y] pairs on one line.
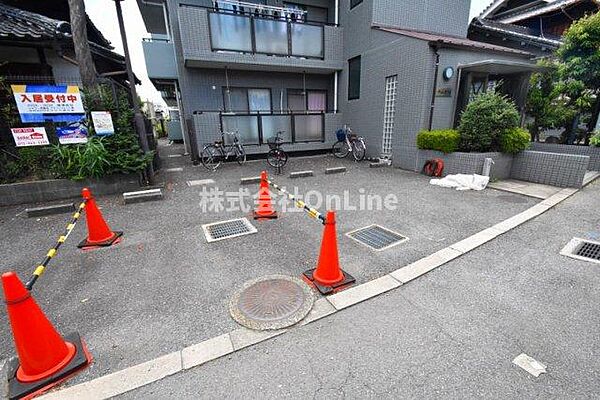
[[580, 67], [546, 102], [87, 68]]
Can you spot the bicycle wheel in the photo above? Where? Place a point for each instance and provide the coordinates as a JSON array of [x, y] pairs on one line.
[[277, 158], [211, 157], [240, 155], [359, 150], [340, 149]]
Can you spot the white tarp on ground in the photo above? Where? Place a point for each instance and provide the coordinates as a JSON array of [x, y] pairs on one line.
[[462, 182]]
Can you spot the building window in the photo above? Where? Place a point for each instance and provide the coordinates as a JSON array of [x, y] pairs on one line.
[[311, 100], [354, 78], [309, 13], [354, 3], [244, 100]]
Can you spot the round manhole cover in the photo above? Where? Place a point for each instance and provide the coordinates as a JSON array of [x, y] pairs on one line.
[[271, 302]]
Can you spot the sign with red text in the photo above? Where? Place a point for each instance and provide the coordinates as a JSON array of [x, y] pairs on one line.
[[35, 136], [37, 103]]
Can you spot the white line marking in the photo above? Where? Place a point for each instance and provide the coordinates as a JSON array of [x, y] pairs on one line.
[[530, 365], [208, 350], [178, 169], [360, 293]]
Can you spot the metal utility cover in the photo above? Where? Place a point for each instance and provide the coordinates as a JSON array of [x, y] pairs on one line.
[[227, 229], [377, 237], [271, 302], [582, 249]]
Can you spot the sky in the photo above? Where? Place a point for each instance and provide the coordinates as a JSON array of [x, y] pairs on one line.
[[104, 16]]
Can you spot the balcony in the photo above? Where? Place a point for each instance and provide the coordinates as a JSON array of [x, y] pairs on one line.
[[160, 58], [302, 131], [215, 39]]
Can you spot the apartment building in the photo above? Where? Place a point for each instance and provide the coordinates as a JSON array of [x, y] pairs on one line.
[[387, 68]]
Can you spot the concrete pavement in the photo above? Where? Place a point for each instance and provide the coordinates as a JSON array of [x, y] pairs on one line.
[[452, 333]]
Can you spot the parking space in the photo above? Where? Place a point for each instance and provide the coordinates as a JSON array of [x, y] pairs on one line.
[[165, 287]]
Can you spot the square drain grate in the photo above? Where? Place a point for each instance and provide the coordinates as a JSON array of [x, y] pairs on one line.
[[377, 237], [227, 229], [581, 249]]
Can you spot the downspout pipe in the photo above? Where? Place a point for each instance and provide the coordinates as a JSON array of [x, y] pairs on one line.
[[436, 48]]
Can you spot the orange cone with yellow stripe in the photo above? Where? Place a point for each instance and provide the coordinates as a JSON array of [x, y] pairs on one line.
[[45, 358], [99, 233], [328, 277], [264, 210]]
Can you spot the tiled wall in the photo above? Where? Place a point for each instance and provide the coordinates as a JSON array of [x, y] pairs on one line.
[[467, 163], [450, 17], [592, 152], [562, 170]]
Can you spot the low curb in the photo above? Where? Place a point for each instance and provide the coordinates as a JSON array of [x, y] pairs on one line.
[[301, 174], [142, 196], [49, 210]]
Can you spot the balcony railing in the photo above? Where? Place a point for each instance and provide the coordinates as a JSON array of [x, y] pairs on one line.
[[253, 34], [257, 128], [159, 54]]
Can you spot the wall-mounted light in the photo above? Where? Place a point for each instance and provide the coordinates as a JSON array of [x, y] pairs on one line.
[[448, 73]]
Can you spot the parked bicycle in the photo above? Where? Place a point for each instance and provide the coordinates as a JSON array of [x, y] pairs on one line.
[[349, 142], [213, 155], [276, 157]]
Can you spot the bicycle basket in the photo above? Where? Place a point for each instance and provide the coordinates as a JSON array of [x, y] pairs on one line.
[[341, 135], [229, 137], [274, 142]]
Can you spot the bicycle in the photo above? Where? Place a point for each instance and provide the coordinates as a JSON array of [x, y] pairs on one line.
[[349, 142], [213, 155], [276, 157]]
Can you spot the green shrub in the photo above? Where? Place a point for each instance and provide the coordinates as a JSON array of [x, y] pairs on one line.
[[515, 140], [124, 153], [484, 120], [595, 140], [446, 141], [77, 162]]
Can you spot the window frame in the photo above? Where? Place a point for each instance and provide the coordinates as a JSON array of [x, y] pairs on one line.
[[355, 3], [354, 96], [246, 89], [290, 90]]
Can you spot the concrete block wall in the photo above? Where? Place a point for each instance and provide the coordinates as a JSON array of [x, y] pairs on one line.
[[562, 170], [59, 189], [592, 152], [467, 163]]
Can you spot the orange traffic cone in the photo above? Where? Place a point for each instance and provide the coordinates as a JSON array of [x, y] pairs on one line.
[[264, 209], [99, 234], [45, 359], [328, 277]]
